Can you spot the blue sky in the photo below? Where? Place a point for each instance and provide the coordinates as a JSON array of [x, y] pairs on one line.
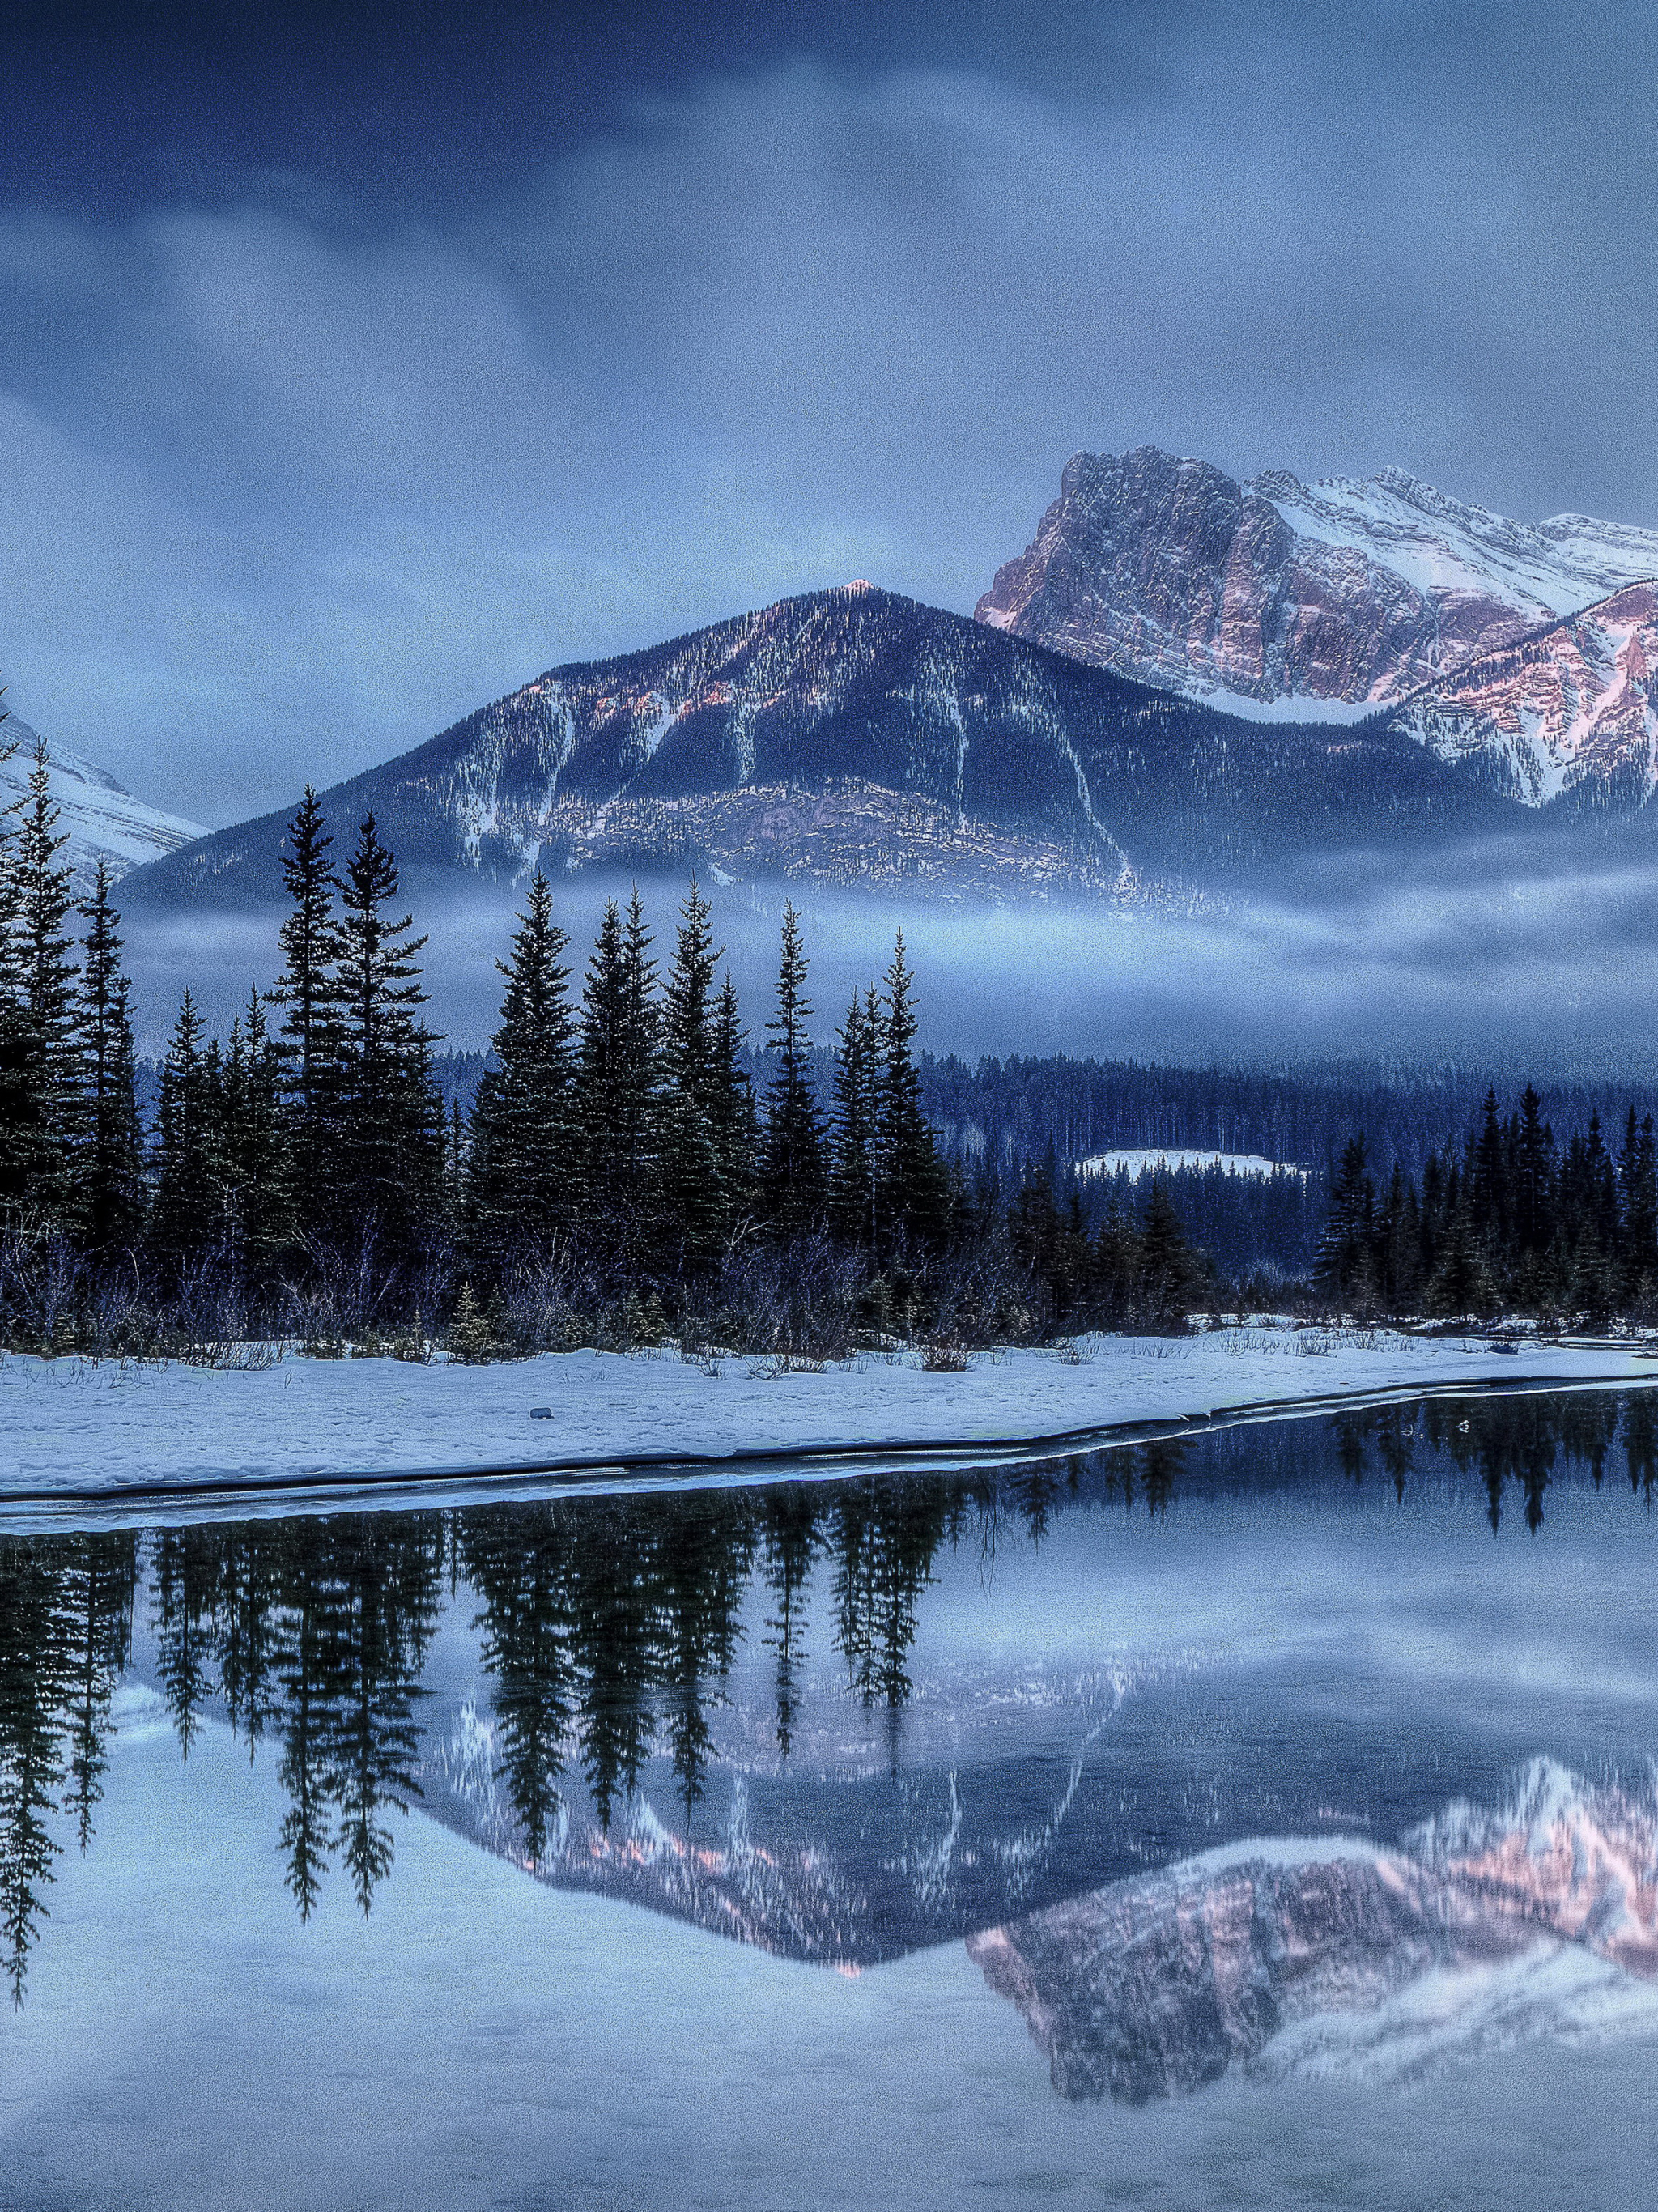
[[357, 364]]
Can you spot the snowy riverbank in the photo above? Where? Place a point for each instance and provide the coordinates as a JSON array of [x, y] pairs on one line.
[[73, 1426]]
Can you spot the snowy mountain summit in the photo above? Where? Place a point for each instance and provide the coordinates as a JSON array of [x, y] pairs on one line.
[[1276, 599], [103, 820]]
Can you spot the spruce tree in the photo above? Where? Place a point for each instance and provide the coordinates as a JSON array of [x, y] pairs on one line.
[[1171, 1275], [793, 1173], [521, 1174], [43, 988], [387, 1120], [257, 1145], [16, 1114], [914, 1186], [308, 987], [732, 1120], [110, 1171], [187, 1215], [1346, 1251], [697, 1208], [855, 1136], [616, 1087]]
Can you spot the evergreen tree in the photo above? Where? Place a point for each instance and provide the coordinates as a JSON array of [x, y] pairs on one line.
[[110, 1169], [187, 1212], [1346, 1258], [914, 1186], [522, 1164], [257, 1145], [617, 1089], [793, 1173], [44, 1046], [699, 1211], [308, 987], [386, 1162], [1637, 1178], [734, 1123], [1171, 1274], [855, 1137]]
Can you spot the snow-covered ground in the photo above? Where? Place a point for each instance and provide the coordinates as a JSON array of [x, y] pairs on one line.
[[68, 1425]]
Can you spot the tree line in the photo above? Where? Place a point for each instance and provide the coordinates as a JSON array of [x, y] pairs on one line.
[[1511, 1220], [621, 1170]]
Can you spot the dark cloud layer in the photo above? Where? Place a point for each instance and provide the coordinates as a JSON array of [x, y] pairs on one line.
[[356, 364]]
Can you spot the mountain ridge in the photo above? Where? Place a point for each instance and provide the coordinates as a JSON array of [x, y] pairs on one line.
[[99, 818], [990, 737]]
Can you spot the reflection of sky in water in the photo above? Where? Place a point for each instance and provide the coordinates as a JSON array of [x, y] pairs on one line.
[[1256, 1811]]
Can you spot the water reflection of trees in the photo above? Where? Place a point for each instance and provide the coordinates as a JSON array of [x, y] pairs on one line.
[[609, 1627]]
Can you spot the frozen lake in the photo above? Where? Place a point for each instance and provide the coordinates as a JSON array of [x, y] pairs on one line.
[[1264, 1819]]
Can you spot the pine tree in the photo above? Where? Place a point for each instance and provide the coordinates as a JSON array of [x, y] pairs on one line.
[[386, 1162], [1347, 1254], [793, 1175], [1638, 1179], [698, 1209], [308, 987], [16, 1107], [110, 1170], [187, 1212], [523, 1162], [915, 1187], [855, 1135], [1171, 1274], [617, 1089], [41, 986], [732, 1120], [257, 1145]]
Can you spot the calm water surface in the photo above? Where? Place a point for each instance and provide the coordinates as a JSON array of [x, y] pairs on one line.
[[1265, 1819]]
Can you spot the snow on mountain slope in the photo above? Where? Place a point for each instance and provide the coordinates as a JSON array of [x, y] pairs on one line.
[[1325, 594], [1276, 599], [103, 820], [1570, 711]]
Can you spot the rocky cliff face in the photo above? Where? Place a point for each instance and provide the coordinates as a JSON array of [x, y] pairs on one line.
[[1273, 596], [702, 753], [1569, 711]]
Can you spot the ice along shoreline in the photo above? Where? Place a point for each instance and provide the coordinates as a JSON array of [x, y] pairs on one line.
[[104, 1433]]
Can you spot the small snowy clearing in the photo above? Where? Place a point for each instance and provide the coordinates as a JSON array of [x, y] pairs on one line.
[[74, 1426], [1149, 1162]]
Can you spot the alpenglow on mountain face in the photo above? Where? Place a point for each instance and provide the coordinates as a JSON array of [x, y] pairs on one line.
[[854, 736], [101, 820], [1329, 600]]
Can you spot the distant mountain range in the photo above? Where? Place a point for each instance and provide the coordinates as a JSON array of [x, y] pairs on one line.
[[853, 735], [1184, 679], [102, 819]]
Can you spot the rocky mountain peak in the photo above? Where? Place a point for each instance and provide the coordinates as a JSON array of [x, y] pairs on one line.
[[1274, 597]]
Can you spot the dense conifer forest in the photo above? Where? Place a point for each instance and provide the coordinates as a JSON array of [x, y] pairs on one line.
[[630, 1163]]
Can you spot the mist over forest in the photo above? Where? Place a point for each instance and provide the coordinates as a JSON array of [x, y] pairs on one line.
[[1538, 963]]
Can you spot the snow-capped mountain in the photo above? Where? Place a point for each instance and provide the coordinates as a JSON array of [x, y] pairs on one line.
[[102, 819], [853, 735], [1276, 597], [1273, 596], [1535, 1914]]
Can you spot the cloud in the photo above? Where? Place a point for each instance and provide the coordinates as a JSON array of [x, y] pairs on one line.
[[290, 483]]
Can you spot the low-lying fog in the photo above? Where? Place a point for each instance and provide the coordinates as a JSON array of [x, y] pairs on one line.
[[1539, 957]]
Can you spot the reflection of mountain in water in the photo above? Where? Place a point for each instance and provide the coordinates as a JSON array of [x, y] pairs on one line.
[[1269, 1956], [837, 1857], [755, 1709]]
